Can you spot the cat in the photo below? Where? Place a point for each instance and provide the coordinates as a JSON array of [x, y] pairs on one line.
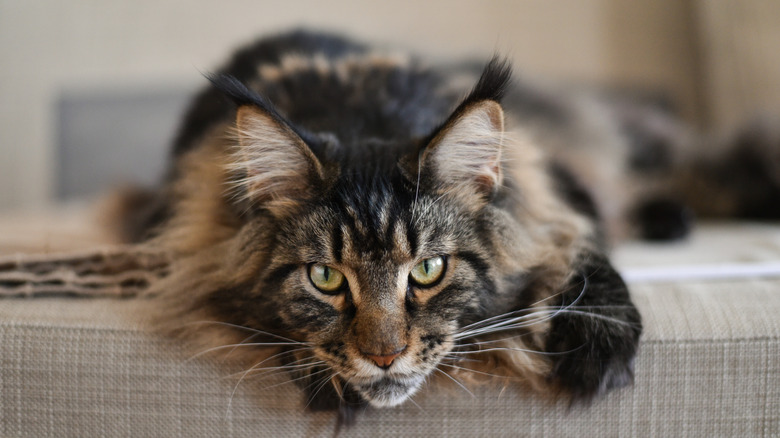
[[369, 221]]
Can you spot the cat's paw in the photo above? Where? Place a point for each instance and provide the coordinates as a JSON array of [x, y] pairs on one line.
[[663, 219], [590, 358], [593, 339]]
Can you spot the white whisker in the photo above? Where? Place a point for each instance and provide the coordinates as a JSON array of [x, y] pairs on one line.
[[283, 353], [460, 359], [471, 370], [456, 381], [233, 393], [530, 319], [416, 190], [523, 350], [319, 388], [245, 340], [298, 378], [234, 346], [411, 400], [241, 327]]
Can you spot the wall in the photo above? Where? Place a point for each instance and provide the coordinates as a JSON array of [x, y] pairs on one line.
[[49, 47], [740, 43]]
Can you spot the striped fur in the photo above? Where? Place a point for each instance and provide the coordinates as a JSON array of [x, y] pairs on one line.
[[370, 165]]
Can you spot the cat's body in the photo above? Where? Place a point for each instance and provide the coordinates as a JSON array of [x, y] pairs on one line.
[[376, 221]]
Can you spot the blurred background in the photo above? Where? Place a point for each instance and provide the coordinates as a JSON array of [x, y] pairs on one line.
[[90, 91]]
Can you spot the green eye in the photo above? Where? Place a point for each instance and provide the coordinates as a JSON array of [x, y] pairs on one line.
[[428, 271], [325, 278]]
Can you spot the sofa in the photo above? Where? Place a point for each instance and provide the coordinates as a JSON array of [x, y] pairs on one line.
[[708, 365]]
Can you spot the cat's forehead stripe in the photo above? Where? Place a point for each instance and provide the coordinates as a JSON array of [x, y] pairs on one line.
[[356, 222], [383, 213], [347, 243], [412, 239], [378, 228], [337, 244]]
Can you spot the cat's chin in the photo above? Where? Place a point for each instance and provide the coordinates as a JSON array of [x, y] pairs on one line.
[[388, 392]]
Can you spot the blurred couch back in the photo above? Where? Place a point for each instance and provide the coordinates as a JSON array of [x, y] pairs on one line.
[[89, 92]]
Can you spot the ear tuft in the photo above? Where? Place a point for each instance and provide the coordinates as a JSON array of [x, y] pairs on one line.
[[493, 83]]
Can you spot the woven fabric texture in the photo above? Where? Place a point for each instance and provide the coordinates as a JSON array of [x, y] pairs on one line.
[[708, 366]]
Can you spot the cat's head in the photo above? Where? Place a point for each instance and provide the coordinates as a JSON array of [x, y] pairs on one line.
[[374, 261]]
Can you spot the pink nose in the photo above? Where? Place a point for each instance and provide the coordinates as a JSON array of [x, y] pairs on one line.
[[384, 361]]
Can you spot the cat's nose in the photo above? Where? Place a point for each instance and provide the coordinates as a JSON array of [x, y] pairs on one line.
[[385, 360]]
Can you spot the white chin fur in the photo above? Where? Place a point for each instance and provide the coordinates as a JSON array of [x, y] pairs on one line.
[[392, 394]]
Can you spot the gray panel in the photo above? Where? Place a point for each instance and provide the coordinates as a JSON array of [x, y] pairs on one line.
[[111, 138]]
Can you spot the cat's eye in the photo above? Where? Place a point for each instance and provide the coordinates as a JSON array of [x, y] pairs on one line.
[[326, 279], [428, 272]]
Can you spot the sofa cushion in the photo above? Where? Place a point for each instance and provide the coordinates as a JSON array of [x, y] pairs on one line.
[[708, 362]]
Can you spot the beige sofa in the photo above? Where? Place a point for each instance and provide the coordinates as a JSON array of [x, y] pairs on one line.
[[709, 363]]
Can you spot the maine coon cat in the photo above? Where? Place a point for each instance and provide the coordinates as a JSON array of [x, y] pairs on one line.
[[368, 221]]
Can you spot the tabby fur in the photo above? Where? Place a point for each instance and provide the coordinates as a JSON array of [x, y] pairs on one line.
[[312, 149]]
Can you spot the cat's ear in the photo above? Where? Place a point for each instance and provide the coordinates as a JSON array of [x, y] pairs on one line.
[[278, 169], [273, 167], [464, 156], [466, 153]]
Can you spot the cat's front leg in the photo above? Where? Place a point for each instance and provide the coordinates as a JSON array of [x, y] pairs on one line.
[[594, 332]]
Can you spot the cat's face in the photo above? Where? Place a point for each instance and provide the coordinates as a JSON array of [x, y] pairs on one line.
[[376, 283], [376, 256]]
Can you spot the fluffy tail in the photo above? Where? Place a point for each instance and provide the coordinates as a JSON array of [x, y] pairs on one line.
[[135, 213]]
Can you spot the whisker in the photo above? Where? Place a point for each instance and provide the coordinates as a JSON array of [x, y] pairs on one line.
[[298, 378], [411, 400], [535, 318], [487, 341], [293, 367], [319, 381], [252, 344], [492, 318], [321, 385], [242, 342], [283, 353], [241, 327], [269, 371], [263, 374], [416, 190], [523, 350], [576, 311], [456, 382], [460, 359], [342, 387], [305, 373], [603, 317], [233, 393], [510, 324], [471, 370]]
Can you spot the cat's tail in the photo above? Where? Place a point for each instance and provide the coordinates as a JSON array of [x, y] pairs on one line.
[[134, 213]]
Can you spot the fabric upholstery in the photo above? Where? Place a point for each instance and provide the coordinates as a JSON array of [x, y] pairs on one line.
[[708, 366]]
